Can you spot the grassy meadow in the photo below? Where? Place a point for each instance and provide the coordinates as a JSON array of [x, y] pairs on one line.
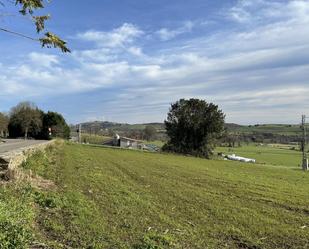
[[111, 198], [279, 129], [275, 155], [94, 139]]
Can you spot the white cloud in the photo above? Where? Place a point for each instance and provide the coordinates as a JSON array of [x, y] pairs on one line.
[[44, 60], [119, 37], [100, 55], [263, 11], [135, 51], [166, 34]]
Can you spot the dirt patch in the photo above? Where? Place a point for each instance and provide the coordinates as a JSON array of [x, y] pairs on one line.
[[241, 242], [42, 183], [4, 164]]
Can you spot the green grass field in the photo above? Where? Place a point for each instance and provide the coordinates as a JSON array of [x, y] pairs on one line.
[[279, 129], [94, 139], [270, 155], [110, 198]]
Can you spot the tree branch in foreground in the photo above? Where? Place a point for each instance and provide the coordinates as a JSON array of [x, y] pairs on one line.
[[49, 40]]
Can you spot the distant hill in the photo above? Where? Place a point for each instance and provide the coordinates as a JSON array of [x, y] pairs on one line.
[[278, 129], [260, 133], [104, 125], [108, 129]]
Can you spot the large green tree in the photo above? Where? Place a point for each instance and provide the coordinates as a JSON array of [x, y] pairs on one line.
[[193, 126], [25, 120], [54, 125], [28, 8]]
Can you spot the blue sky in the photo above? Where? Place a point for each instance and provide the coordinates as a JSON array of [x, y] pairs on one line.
[[132, 58]]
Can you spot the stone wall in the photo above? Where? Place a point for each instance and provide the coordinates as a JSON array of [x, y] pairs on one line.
[[10, 161]]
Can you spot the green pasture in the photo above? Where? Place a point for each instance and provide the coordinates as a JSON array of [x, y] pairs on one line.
[[109, 198], [267, 154]]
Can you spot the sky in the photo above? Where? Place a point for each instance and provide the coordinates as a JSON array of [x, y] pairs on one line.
[[132, 58]]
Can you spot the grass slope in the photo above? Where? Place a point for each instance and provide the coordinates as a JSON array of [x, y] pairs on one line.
[[108, 198], [16, 216]]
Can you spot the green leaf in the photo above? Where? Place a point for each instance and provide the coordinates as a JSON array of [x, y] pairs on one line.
[[29, 5], [40, 22], [51, 40]]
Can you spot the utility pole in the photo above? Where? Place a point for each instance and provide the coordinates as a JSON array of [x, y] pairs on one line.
[[305, 165], [80, 133]]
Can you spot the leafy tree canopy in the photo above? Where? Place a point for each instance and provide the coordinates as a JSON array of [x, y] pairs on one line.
[[54, 125], [193, 126], [28, 8], [27, 120]]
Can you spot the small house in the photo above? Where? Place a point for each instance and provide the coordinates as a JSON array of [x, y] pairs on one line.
[[129, 143]]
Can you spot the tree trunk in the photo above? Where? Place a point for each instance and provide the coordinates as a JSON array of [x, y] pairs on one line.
[[26, 133]]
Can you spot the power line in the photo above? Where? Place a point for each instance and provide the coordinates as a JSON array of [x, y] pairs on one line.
[[18, 34]]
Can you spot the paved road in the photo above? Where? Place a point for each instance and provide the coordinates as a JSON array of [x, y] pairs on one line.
[[15, 144]]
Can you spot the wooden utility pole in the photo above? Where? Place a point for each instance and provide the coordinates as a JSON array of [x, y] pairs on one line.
[[305, 165], [80, 133]]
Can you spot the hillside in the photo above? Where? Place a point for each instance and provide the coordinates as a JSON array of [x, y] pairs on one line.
[[267, 133], [98, 125], [110, 198], [280, 129], [108, 129]]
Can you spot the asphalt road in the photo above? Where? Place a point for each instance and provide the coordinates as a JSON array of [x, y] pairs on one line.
[[15, 144]]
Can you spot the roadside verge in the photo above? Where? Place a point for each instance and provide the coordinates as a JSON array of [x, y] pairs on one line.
[[10, 161]]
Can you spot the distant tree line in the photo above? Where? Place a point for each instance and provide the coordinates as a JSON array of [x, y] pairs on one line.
[[232, 139], [28, 121]]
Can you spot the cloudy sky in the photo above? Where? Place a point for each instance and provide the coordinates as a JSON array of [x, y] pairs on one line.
[[132, 58]]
